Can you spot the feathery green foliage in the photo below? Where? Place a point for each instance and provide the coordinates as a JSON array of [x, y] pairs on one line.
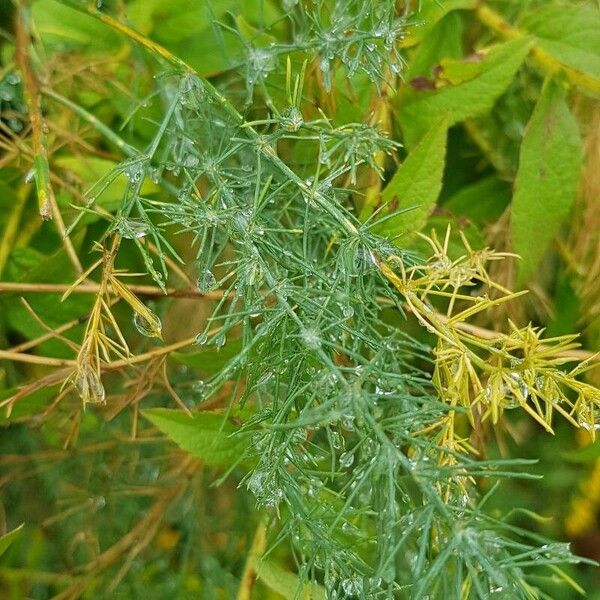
[[340, 371]]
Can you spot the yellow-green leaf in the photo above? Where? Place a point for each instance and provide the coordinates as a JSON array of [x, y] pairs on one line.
[[415, 187], [571, 35], [443, 41], [287, 584], [9, 538], [549, 167], [421, 105], [431, 11]]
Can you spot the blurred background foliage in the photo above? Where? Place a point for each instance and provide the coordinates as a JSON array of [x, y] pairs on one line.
[[111, 508]]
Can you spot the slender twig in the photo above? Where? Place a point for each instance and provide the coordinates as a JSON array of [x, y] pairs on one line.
[[33, 100], [153, 291], [140, 358], [256, 551], [108, 133], [94, 288], [37, 360]]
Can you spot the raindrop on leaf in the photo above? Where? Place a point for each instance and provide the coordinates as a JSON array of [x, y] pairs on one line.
[[207, 282]]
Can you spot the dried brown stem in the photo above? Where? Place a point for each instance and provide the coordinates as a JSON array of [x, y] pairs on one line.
[[256, 551], [94, 288]]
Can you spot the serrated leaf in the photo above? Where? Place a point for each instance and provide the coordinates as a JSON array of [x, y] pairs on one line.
[[9, 538], [571, 35], [287, 584], [421, 105], [430, 13], [443, 41], [415, 187], [206, 435], [549, 167]]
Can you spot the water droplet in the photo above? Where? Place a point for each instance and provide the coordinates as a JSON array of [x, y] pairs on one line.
[[265, 489], [311, 338], [348, 423], [352, 586], [588, 419], [347, 311], [291, 119], [190, 161], [337, 440], [346, 460], [6, 93], [15, 124], [199, 387], [89, 386], [265, 377], [132, 229], [135, 173], [207, 282], [148, 324], [348, 529], [220, 339], [201, 338], [155, 175], [522, 387]]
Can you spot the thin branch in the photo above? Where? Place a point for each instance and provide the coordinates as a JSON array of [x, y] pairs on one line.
[[37, 360], [256, 551], [156, 292], [33, 100], [94, 288]]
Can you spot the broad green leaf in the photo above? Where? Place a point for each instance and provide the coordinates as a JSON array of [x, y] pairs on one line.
[[61, 27], [549, 167], [91, 169], [9, 538], [194, 32], [287, 584], [414, 189], [209, 360], [28, 265], [566, 316], [30, 405], [571, 35], [430, 13], [206, 435], [482, 202], [421, 107], [443, 41]]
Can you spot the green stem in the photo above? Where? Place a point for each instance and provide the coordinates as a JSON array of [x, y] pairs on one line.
[[265, 150], [107, 132]]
